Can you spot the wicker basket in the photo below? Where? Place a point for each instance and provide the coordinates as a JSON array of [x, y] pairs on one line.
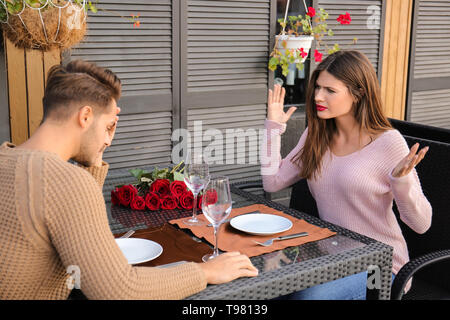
[[58, 24]]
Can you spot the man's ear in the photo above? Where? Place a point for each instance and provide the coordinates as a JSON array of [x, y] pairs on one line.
[[85, 116]]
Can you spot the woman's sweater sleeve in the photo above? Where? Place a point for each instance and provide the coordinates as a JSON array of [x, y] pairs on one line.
[[414, 208], [278, 173], [78, 226]]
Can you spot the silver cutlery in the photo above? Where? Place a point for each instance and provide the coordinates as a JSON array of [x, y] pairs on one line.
[[291, 236], [127, 235], [227, 220]]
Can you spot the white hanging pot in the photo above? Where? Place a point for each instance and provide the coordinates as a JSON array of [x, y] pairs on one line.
[[294, 43]]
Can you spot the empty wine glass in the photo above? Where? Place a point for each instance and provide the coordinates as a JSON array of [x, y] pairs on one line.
[[196, 177], [216, 206]]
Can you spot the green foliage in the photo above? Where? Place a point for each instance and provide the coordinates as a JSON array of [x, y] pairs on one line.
[[16, 6]]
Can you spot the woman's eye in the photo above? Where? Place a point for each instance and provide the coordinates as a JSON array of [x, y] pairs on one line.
[[329, 90]]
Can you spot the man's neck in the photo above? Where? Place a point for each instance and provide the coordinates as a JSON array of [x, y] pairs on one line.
[[51, 138]]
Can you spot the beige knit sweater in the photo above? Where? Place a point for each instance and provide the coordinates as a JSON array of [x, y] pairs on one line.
[[52, 216]]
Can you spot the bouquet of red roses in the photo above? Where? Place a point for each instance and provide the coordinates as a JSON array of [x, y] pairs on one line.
[[159, 189]]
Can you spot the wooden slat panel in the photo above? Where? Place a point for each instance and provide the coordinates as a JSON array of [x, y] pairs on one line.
[[17, 93], [368, 39], [429, 87], [112, 41], [432, 42], [239, 162], [396, 57], [35, 85], [5, 134], [238, 32], [431, 107], [51, 58]]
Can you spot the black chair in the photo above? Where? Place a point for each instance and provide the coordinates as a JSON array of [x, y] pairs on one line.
[[422, 131], [429, 252]]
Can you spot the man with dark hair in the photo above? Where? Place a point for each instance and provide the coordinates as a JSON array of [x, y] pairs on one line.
[[53, 215]]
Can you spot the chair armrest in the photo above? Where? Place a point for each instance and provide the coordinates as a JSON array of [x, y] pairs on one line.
[[416, 264], [248, 185]]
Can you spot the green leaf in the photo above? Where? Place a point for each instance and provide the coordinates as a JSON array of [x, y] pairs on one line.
[[137, 173], [178, 176]]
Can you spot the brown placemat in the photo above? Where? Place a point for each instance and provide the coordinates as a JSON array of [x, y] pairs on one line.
[[231, 239], [177, 245]]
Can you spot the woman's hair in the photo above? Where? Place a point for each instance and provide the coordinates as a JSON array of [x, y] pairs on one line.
[[79, 83], [354, 69]]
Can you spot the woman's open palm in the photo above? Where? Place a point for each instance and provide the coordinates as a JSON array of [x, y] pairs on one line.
[[409, 162], [275, 104]]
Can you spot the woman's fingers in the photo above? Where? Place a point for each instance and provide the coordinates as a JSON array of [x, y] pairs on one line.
[[410, 161], [421, 155]]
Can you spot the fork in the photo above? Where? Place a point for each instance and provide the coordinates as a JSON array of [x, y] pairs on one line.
[[291, 236], [128, 234]]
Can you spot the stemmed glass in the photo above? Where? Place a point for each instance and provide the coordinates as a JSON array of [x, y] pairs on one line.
[[196, 177], [216, 206]]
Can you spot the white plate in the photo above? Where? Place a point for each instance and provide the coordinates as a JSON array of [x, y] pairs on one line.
[[138, 250], [261, 223]]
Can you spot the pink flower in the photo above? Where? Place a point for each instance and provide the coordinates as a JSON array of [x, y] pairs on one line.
[[344, 18], [311, 12], [317, 56]]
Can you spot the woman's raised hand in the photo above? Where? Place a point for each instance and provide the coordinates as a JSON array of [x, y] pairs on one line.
[[275, 104], [409, 162]]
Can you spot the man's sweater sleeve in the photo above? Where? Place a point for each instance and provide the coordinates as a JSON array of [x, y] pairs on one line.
[[78, 226]]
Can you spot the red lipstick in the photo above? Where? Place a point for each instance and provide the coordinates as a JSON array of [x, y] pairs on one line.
[[320, 108]]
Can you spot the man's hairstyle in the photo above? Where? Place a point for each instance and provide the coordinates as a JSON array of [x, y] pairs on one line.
[[78, 84]]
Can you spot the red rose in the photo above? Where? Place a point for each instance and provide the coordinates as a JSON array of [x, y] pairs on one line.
[[152, 201], [138, 203], [126, 194], [210, 196], [311, 12], [178, 188], [161, 186], [169, 202], [344, 18], [114, 197], [186, 200]]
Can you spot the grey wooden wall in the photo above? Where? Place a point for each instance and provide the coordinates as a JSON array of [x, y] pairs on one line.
[[429, 80]]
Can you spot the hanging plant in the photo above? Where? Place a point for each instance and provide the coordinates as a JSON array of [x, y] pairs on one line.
[[294, 42], [47, 24], [44, 24]]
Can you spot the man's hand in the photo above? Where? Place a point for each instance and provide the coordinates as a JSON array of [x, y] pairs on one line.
[[111, 132], [227, 267]]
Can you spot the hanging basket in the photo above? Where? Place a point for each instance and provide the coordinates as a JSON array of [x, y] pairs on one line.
[[290, 42], [56, 24]]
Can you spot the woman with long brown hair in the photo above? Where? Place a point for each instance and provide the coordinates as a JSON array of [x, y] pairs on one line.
[[355, 163]]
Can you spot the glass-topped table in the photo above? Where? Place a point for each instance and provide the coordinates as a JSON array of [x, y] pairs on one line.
[[283, 271]]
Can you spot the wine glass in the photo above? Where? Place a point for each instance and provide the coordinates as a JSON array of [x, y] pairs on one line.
[[216, 206], [196, 177]]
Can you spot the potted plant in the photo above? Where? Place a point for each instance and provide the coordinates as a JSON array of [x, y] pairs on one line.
[[293, 43], [44, 24]]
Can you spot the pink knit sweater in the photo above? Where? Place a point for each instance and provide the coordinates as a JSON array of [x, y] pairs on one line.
[[356, 191]]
